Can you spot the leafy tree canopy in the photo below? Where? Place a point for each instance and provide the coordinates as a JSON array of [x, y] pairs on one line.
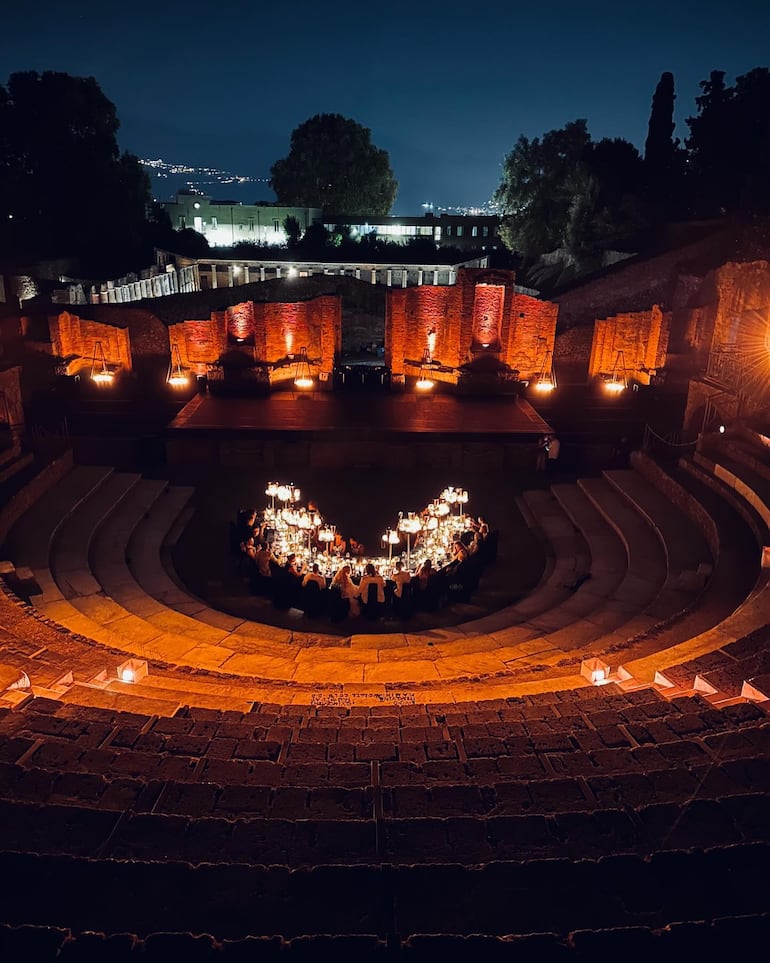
[[65, 187], [333, 164], [565, 191]]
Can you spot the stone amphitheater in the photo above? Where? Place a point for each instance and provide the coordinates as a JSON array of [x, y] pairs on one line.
[[581, 775]]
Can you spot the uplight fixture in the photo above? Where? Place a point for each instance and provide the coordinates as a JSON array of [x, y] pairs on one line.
[[302, 376], [424, 381], [100, 372], [177, 377]]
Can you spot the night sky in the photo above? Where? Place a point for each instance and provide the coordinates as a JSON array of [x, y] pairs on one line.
[[446, 88]]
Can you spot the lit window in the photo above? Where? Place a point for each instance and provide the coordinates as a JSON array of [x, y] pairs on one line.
[[276, 225], [449, 230], [459, 230], [475, 230], [182, 223], [485, 231], [214, 223]]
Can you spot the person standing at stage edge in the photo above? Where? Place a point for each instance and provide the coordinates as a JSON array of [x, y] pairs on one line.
[[553, 449]]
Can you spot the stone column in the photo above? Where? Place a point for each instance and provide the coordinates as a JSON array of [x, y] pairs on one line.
[[419, 278], [404, 277], [230, 276], [278, 272], [246, 276], [261, 272], [374, 277], [213, 275], [389, 278], [435, 278]]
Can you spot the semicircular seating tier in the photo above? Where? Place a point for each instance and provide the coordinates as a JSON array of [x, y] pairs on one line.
[[624, 588], [211, 815]]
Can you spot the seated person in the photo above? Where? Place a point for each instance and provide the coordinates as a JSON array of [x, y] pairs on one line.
[[372, 577], [458, 551], [483, 528], [293, 566], [249, 548], [400, 579], [314, 575], [356, 548], [423, 575], [347, 588], [246, 523], [264, 559]]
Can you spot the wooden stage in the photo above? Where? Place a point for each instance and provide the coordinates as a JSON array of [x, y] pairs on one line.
[[362, 414]]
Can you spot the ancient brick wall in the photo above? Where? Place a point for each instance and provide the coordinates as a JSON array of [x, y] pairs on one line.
[[481, 313], [11, 407], [636, 341], [200, 343], [422, 318], [72, 336], [742, 304], [276, 330], [532, 334], [636, 285], [281, 330]]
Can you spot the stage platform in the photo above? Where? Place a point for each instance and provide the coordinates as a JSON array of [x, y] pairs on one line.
[[296, 429]]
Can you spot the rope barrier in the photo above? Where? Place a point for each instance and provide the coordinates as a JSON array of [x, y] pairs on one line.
[[673, 444]]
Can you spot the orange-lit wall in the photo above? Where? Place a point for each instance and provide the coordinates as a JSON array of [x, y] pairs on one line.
[[481, 313], [200, 343], [276, 330], [639, 339], [72, 336]]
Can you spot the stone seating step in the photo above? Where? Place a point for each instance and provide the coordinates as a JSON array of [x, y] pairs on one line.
[[568, 552], [602, 945], [85, 695], [685, 547], [646, 560], [29, 541], [505, 897], [178, 693], [144, 548], [69, 553], [748, 483]]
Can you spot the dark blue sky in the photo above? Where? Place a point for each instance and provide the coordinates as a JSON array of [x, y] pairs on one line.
[[446, 88]]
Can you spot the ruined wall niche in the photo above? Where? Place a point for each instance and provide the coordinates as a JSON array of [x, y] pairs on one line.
[[74, 340], [488, 304], [271, 334], [636, 341], [481, 315]]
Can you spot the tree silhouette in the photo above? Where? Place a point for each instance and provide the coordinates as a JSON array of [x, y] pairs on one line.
[[664, 160], [65, 188], [333, 164], [729, 144]]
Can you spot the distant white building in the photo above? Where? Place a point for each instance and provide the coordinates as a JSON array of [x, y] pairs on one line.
[[225, 223]]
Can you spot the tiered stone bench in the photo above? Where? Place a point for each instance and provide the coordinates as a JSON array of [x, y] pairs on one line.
[[117, 611], [208, 815], [546, 815]]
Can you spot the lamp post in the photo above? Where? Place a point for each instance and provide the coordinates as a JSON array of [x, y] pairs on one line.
[[410, 525], [390, 538]]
